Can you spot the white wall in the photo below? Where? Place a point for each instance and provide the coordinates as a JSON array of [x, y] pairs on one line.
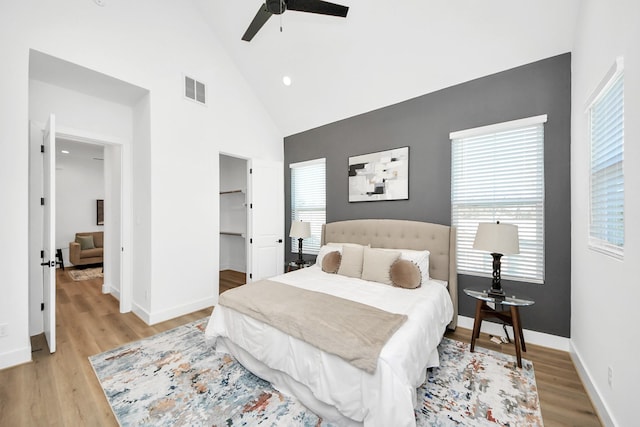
[[151, 44], [605, 291], [79, 183], [79, 111]]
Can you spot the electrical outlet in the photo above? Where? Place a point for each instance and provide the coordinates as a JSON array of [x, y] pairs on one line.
[[4, 329], [610, 376]]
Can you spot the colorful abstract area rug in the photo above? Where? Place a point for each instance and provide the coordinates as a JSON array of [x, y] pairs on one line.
[[85, 273], [484, 388], [175, 379]]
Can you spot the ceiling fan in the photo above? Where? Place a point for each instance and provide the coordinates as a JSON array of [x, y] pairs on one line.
[[277, 7]]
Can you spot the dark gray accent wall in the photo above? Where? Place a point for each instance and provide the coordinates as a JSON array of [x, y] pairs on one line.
[[423, 124]]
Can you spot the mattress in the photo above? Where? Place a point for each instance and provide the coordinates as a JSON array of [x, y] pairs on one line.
[[343, 393]]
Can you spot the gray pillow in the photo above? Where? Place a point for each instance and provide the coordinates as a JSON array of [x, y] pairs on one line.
[[405, 274], [86, 242]]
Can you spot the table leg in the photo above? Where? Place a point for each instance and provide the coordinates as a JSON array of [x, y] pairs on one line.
[[477, 322], [59, 259], [524, 347], [517, 331]]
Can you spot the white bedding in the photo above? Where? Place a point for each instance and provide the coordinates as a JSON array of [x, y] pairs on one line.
[[383, 399]]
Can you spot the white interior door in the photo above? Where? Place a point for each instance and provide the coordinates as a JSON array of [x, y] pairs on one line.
[[267, 219], [49, 229]]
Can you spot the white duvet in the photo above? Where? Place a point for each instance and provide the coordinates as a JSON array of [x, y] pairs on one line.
[[325, 382]]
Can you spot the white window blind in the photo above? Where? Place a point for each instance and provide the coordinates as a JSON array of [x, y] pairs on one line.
[[308, 201], [606, 117], [498, 175]]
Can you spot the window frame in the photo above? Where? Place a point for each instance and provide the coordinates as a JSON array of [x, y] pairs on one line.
[[597, 242], [310, 245], [481, 264]]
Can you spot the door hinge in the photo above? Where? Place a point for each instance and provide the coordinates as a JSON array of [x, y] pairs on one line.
[[41, 201], [41, 306], [250, 275], [250, 205], [42, 148], [250, 240], [250, 171], [41, 254]]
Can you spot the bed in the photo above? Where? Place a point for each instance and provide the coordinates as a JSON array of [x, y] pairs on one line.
[[327, 384]]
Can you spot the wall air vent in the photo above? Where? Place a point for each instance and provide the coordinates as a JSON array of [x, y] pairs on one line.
[[195, 90]]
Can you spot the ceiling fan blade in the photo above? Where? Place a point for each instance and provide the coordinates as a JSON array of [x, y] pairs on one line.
[[258, 21], [317, 6]]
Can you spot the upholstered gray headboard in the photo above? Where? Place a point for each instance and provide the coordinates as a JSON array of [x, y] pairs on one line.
[[438, 239]]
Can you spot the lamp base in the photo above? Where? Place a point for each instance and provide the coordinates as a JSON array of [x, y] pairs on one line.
[[300, 260], [496, 290]]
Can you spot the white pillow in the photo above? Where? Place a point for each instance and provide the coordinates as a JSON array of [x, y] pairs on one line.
[[325, 249], [331, 247], [351, 263], [420, 258], [376, 265]]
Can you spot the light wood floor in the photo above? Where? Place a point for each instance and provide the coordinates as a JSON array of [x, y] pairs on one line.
[[230, 279], [62, 390]]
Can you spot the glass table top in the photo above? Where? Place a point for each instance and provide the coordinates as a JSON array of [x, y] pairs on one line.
[[507, 300]]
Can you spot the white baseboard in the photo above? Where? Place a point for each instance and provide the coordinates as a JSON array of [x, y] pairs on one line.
[[234, 267], [15, 357], [592, 390], [533, 337], [171, 313], [109, 289], [141, 313]]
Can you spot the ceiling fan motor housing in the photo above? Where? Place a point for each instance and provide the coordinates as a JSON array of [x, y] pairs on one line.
[[276, 7]]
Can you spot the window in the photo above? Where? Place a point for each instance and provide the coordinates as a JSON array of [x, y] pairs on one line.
[[308, 201], [606, 123], [497, 174]]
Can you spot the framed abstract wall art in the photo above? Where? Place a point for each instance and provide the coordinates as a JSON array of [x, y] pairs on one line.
[[379, 176]]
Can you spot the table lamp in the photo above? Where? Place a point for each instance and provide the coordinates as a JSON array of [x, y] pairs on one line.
[[498, 239], [301, 230]]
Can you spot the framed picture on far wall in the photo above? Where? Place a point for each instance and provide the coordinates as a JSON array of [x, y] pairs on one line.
[[379, 176], [100, 212]]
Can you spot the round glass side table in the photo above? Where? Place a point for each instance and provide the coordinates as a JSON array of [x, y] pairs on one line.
[[510, 316]]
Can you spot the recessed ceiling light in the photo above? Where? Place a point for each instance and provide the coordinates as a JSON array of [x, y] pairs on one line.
[[286, 80], [64, 151]]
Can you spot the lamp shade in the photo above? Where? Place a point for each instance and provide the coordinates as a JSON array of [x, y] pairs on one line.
[[497, 238], [300, 229]]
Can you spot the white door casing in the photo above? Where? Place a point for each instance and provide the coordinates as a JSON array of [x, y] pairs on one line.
[[267, 219], [49, 233]]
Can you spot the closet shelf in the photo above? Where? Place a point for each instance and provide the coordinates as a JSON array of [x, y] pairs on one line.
[[232, 233], [232, 191]]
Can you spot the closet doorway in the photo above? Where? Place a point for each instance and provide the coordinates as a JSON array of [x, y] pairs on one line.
[[233, 221]]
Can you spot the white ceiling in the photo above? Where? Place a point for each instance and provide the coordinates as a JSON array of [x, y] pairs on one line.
[[384, 52], [77, 152]]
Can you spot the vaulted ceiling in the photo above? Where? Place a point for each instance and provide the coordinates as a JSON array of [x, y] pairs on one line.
[[383, 52]]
